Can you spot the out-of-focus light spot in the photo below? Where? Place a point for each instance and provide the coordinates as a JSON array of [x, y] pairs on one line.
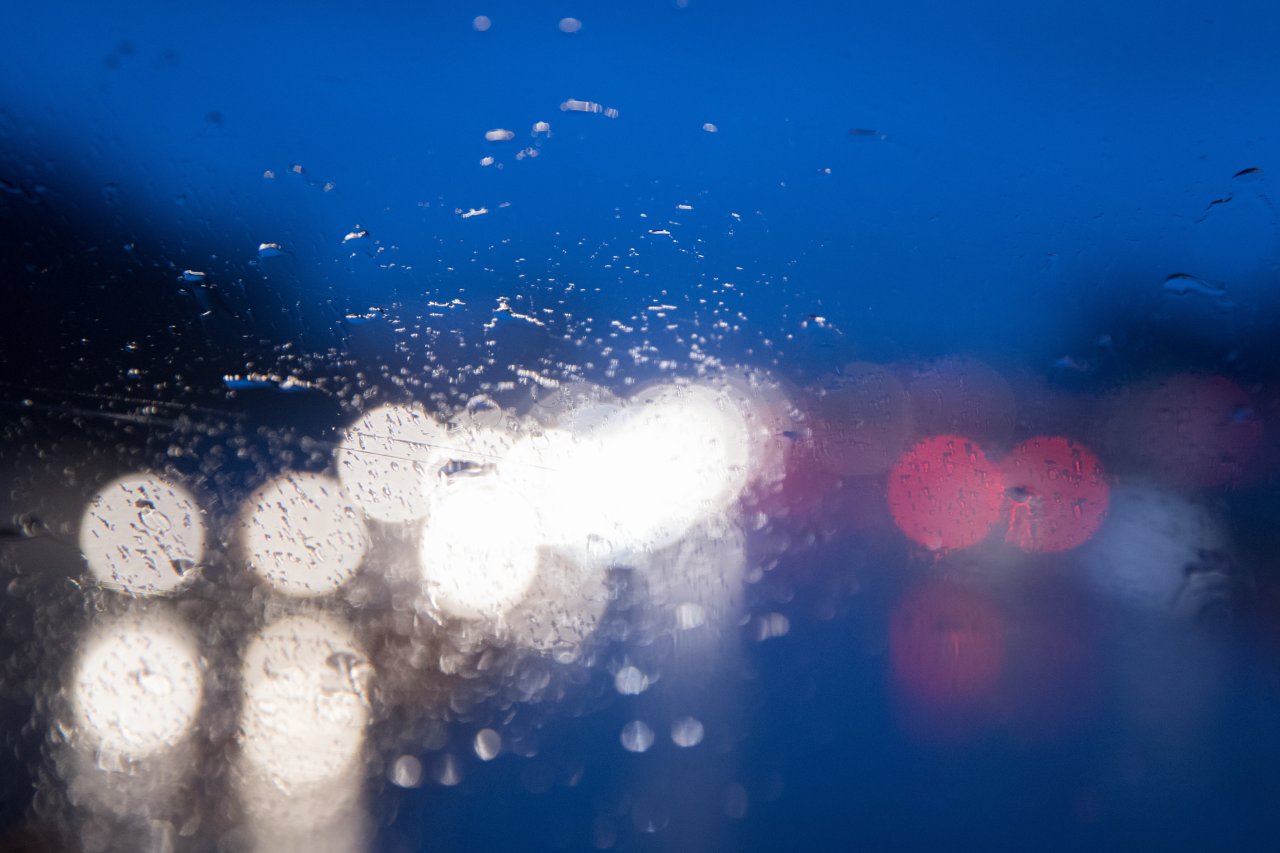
[[570, 25], [388, 461], [479, 548], [136, 686], [686, 732], [499, 134], [710, 128], [861, 421], [636, 736], [488, 744], [486, 161], [630, 681], [406, 772], [636, 478], [1057, 494], [1161, 552], [1189, 431], [481, 23], [541, 128], [962, 396], [446, 770], [305, 703], [142, 534], [943, 493], [304, 534], [946, 645]]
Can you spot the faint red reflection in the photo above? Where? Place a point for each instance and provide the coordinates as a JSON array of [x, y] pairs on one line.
[[1191, 431], [1056, 493], [943, 493], [947, 653]]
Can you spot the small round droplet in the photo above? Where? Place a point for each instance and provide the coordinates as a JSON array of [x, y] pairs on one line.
[[636, 736], [481, 23], [488, 744], [570, 25]]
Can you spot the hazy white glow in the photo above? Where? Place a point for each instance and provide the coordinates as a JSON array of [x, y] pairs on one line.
[[389, 461], [636, 478], [1157, 550], [137, 684], [305, 701], [479, 548], [143, 534], [304, 534]]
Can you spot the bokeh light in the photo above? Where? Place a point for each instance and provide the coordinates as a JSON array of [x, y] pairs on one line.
[[1057, 494], [943, 493], [143, 534], [1161, 552], [304, 534], [305, 684], [946, 645], [389, 459], [137, 684], [479, 548], [631, 479]]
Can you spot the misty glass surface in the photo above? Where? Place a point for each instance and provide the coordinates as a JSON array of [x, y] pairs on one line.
[[689, 425]]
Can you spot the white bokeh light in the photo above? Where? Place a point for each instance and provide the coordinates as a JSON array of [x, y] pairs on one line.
[[389, 460], [137, 685], [305, 701], [304, 534], [619, 480], [479, 548], [142, 534]]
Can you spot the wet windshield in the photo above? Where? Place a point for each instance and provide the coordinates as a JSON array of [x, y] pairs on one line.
[[658, 426]]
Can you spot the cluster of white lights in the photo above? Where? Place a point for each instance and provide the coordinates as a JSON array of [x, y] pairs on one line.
[[515, 521]]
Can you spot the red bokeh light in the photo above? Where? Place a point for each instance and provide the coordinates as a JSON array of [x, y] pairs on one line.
[[943, 493], [1057, 494], [946, 645]]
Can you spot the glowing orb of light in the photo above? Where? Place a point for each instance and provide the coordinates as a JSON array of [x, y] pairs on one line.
[[1161, 552], [629, 479], [304, 534], [1057, 494], [137, 684], [142, 534], [305, 700], [946, 645], [388, 461], [861, 421], [943, 493], [479, 548]]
